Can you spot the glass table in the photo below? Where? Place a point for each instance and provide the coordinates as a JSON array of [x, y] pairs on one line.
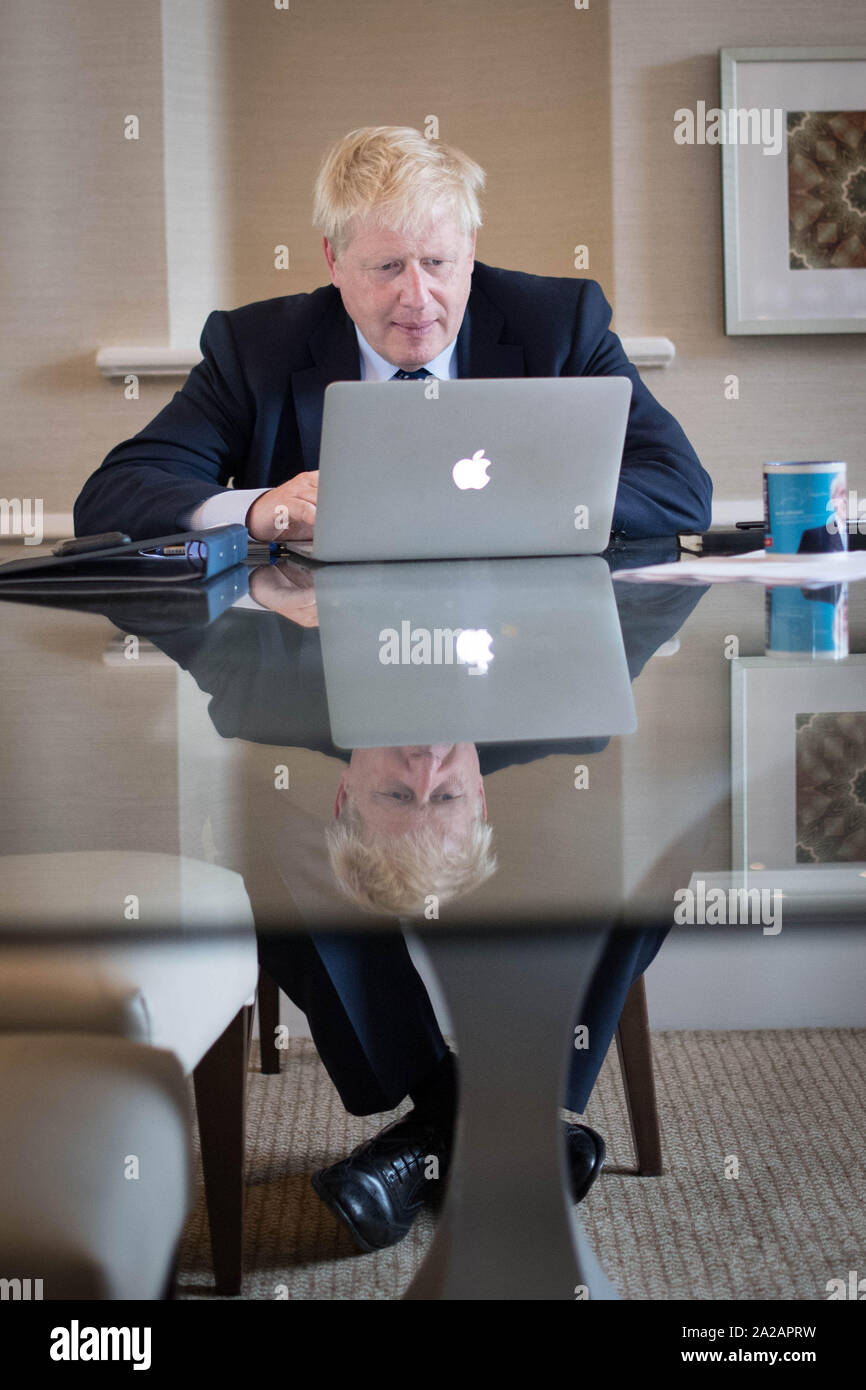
[[648, 755]]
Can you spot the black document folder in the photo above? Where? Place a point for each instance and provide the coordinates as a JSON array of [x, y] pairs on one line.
[[132, 566]]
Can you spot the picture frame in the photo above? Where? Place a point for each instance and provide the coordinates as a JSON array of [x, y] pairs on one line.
[[768, 696], [794, 238]]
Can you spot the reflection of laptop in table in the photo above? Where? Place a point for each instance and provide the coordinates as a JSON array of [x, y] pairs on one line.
[[417, 470], [485, 651]]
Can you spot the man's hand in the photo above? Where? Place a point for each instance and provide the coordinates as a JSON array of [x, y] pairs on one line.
[[287, 512], [286, 589]]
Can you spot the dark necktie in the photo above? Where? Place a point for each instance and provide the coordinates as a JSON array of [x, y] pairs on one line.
[[421, 375]]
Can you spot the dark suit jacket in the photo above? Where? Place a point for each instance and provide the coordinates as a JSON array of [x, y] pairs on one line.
[[252, 409]]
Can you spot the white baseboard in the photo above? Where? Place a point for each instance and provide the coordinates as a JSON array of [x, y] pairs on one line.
[[727, 513], [56, 526]]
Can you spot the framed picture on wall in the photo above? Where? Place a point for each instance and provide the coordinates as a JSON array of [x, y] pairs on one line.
[[792, 126]]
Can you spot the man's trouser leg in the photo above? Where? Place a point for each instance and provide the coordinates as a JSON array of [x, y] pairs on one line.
[[368, 1010], [625, 957], [374, 1026]]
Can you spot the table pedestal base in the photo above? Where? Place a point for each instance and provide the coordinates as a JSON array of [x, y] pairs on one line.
[[508, 1228]]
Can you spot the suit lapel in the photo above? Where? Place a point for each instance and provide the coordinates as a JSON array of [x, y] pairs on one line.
[[334, 350], [479, 350]]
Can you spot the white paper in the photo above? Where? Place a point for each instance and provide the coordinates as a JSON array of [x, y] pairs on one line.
[[805, 571]]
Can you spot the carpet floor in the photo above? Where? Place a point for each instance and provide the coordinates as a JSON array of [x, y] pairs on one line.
[[763, 1196]]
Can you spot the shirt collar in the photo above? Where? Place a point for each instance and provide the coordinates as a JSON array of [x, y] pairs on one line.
[[375, 368]]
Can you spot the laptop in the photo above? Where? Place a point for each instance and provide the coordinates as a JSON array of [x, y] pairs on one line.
[[430, 470], [490, 651]]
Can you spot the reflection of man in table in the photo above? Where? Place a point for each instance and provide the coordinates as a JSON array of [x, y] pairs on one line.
[[410, 822], [399, 216], [367, 1006]]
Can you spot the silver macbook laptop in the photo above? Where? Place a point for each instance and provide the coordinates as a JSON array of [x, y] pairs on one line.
[[485, 652], [428, 470]]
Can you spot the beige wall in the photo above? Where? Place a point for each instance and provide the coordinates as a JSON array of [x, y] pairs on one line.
[[800, 397], [522, 86], [82, 232], [570, 112]]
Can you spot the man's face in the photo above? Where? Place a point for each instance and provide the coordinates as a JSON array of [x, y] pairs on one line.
[[407, 294], [397, 790]]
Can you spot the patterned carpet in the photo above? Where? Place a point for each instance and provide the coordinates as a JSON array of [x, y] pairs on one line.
[[784, 1108]]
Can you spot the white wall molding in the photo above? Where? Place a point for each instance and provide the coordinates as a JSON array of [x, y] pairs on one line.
[[114, 362], [56, 526], [649, 352], [728, 511]]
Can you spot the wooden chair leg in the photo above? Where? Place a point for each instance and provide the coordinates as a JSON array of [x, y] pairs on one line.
[[220, 1096], [269, 1020], [635, 1060]]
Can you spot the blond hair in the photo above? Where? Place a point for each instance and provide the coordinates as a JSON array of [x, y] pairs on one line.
[[398, 874], [397, 177]]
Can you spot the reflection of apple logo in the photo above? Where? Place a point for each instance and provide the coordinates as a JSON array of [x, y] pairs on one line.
[[471, 472], [473, 647]]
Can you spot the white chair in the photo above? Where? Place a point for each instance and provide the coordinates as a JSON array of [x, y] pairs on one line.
[[190, 996], [97, 1166]]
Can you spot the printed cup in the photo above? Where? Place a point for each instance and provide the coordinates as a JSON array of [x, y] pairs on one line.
[[805, 507]]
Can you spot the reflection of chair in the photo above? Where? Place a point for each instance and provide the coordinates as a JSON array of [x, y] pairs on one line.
[[269, 1021], [636, 1064], [187, 996], [633, 1046]]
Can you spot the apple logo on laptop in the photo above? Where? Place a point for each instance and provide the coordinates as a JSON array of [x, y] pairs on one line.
[[471, 472], [474, 647]]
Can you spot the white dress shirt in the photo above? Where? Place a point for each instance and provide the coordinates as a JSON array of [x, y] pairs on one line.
[[375, 368]]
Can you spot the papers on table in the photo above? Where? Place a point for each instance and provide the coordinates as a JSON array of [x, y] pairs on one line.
[[805, 571]]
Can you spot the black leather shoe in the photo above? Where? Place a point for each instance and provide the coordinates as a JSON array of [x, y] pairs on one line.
[[378, 1191], [385, 1182], [585, 1154]]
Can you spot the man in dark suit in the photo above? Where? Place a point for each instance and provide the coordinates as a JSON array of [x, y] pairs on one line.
[[399, 216], [251, 411]]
